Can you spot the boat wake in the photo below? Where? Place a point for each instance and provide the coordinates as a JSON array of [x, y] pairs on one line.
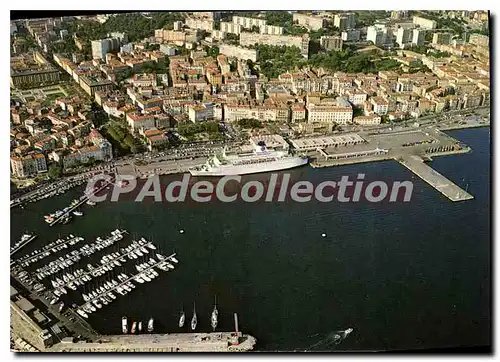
[[331, 340]]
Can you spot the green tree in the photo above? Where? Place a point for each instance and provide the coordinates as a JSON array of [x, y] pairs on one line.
[[55, 171]]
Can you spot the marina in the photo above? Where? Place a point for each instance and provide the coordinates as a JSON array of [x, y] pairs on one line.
[[64, 216], [124, 284], [108, 262], [25, 240], [47, 250]]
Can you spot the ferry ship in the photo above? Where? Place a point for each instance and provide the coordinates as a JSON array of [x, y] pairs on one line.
[[260, 160]]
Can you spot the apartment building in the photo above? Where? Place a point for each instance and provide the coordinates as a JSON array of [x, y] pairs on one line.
[[380, 105], [310, 22], [201, 24], [104, 46], [351, 35], [329, 114], [345, 21], [249, 23], [201, 112], [441, 38], [29, 165], [232, 28], [248, 39], [424, 23], [239, 52], [331, 43], [271, 29]]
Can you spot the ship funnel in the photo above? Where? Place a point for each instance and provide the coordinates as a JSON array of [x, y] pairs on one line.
[[236, 322]]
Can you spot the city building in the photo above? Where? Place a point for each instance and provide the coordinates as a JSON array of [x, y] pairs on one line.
[[441, 38], [345, 21], [32, 70], [201, 112], [250, 39], [329, 113], [351, 35], [271, 29], [104, 46], [239, 52], [313, 143], [201, 24], [418, 37], [403, 37], [331, 43], [424, 23], [479, 39], [177, 25], [379, 35], [249, 23], [380, 105], [29, 165], [232, 28], [310, 22], [93, 84], [371, 120]]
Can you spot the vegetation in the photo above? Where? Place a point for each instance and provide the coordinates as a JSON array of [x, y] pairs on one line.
[[121, 139], [157, 68], [275, 60], [190, 129], [55, 171], [212, 51], [97, 115], [480, 31], [232, 39], [438, 54], [350, 62], [368, 17], [135, 25], [249, 123]]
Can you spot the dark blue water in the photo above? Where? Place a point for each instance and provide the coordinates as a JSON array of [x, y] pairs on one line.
[[403, 275]]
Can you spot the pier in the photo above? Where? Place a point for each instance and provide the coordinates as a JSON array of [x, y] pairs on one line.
[[90, 273], [130, 279], [40, 255], [19, 247], [178, 342], [83, 200], [435, 179]]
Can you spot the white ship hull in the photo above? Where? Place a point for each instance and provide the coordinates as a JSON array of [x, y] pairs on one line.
[[234, 170]]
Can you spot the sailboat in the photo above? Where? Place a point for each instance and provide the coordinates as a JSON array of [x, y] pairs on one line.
[[215, 316], [194, 320], [182, 319]]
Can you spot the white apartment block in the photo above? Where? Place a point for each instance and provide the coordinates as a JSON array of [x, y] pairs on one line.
[[379, 36], [368, 120], [309, 21], [247, 39], [344, 21], [331, 42], [201, 112], [271, 29], [418, 37], [351, 35], [329, 114], [403, 37], [239, 52], [441, 38], [231, 28], [248, 23], [380, 105], [201, 24], [424, 23]]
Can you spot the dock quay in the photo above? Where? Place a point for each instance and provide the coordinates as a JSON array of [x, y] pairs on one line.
[[127, 280], [435, 179], [179, 342], [41, 254], [92, 273], [22, 245], [82, 200]]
